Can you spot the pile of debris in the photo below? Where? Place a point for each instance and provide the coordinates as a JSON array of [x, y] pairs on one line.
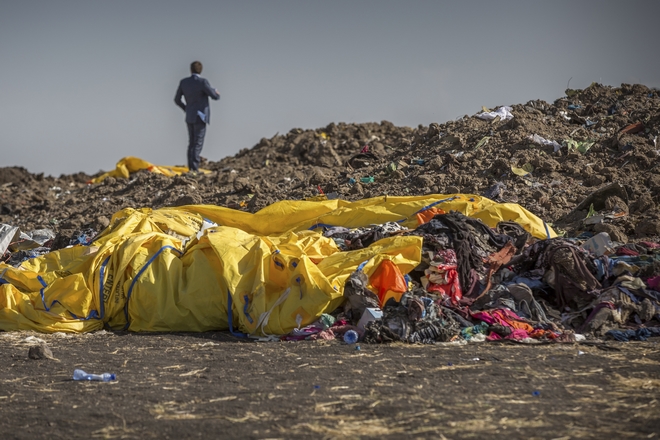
[[476, 284]]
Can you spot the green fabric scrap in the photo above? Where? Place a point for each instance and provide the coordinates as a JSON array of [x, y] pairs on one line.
[[524, 170], [482, 142], [327, 320], [579, 146], [592, 211], [469, 332]]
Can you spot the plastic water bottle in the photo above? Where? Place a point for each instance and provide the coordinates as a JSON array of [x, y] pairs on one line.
[[105, 377], [351, 337]]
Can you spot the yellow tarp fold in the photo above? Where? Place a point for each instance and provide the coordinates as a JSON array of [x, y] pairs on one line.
[[272, 271], [129, 165]]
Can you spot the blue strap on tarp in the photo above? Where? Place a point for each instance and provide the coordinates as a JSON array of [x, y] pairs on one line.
[[137, 277], [230, 317], [320, 225], [245, 308], [92, 315], [102, 285], [427, 207]]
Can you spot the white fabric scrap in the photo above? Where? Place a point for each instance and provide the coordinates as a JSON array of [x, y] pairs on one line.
[[539, 140], [39, 236], [7, 234], [503, 112]]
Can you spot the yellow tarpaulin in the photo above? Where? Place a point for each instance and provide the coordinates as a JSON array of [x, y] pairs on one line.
[[268, 272], [129, 165]]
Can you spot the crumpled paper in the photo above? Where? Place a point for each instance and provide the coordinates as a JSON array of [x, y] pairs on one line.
[[543, 141], [503, 112]]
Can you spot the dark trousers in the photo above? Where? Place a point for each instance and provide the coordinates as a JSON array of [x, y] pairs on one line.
[[196, 134]]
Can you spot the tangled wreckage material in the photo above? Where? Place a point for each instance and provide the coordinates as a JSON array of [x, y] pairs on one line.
[[441, 267]]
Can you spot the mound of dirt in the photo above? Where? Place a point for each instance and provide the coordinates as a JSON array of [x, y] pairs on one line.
[[587, 162]]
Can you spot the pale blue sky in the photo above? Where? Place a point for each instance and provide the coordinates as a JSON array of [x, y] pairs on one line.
[[85, 83]]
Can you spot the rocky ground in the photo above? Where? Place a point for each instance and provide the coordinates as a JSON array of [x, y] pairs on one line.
[[606, 139]]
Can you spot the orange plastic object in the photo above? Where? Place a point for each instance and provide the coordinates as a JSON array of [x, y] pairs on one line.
[[633, 128], [426, 216], [388, 281]]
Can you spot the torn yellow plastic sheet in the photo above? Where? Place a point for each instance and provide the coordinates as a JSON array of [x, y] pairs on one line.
[[129, 165]]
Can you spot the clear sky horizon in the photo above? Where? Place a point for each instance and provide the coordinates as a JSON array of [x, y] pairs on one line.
[[85, 83]]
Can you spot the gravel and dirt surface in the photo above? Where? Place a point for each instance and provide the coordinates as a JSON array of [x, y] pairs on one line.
[[212, 385]]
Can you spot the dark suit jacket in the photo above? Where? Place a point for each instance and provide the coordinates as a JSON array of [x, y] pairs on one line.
[[196, 90]]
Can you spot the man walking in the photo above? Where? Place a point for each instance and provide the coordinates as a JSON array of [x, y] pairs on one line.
[[196, 91]]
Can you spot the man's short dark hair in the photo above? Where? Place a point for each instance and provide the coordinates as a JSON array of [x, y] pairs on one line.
[[196, 67]]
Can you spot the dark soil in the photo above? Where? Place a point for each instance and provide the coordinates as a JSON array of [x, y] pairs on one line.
[[212, 386]]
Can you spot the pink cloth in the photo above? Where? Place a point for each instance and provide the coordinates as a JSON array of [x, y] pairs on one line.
[[654, 283], [325, 334], [336, 331], [497, 316], [517, 334]]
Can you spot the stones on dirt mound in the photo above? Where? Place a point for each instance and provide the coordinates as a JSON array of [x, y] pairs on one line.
[[242, 184], [257, 201], [615, 233], [189, 199], [424, 181], [318, 178], [496, 191], [594, 180], [598, 198], [436, 163], [642, 204], [648, 228], [653, 183], [41, 351], [101, 222], [226, 176], [357, 189], [615, 203]]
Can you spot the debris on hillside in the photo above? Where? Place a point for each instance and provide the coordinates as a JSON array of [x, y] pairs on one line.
[[587, 164], [548, 157]]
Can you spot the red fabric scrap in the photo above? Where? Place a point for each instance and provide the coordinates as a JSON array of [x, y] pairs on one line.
[[625, 251]]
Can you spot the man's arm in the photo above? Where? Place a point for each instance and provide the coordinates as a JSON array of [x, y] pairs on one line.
[[177, 98], [213, 93]]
